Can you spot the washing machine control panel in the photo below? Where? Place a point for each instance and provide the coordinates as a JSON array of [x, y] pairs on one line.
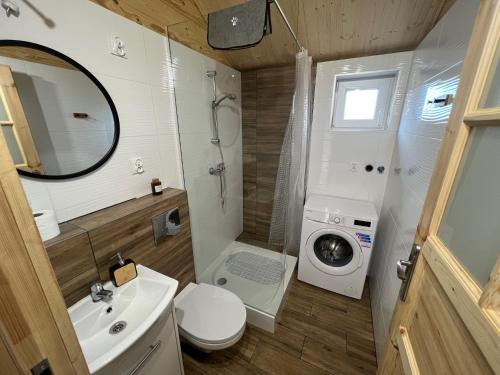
[[335, 219], [363, 228]]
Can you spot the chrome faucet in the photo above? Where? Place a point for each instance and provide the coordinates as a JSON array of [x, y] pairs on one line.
[[220, 169], [98, 293]]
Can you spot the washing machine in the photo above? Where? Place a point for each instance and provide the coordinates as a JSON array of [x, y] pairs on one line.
[[336, 243]]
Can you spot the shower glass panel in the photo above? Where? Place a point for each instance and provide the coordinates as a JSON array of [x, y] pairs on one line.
[[211, 147]]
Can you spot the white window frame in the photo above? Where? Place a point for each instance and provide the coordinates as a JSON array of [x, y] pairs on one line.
[[384, 83]]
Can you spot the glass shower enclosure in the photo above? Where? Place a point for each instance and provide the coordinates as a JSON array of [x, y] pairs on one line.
[[208, 102]]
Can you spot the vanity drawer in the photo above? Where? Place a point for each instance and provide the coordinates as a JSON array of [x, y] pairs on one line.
[[155, 353]]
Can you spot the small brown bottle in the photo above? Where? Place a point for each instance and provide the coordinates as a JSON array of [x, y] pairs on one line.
[[156, 187], [123, 271]]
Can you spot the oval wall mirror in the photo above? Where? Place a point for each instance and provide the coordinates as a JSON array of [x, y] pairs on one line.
[[57, 118]]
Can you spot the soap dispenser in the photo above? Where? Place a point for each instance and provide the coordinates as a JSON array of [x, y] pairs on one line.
[[123, 271]]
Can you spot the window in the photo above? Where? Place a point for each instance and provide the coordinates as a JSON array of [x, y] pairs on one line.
[[362, 102]]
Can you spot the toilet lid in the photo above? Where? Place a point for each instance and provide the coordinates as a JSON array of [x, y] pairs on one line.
[[210, 314]]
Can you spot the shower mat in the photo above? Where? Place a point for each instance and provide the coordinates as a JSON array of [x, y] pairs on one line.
[[255, 267]]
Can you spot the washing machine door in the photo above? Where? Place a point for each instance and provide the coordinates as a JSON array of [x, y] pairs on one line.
[[334, 251]]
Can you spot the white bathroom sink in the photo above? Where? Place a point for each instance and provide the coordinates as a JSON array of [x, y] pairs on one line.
[[138, 303]]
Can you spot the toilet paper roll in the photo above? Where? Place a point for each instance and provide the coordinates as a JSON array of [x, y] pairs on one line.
[[46, 222]]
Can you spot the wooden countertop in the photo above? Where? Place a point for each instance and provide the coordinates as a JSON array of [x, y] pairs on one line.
[[107, 215]]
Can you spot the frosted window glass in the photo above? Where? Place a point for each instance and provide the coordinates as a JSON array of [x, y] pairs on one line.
[[492, 95], [360, 104], [15, 152], [3, 112], [471, 224]]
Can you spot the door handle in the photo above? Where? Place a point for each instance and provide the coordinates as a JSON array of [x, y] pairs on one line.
[[404, 270], [401, 269]]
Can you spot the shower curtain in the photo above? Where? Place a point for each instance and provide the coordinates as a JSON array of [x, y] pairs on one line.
[[289, 194]]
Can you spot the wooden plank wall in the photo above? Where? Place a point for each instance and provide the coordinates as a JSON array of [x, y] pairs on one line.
[[249, 125], [81, 254], [73, 261], [267, 98]]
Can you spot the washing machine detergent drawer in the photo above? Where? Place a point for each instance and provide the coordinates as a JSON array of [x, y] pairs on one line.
[[319, 216]]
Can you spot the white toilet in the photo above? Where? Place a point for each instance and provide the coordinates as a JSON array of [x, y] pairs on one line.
[[210, 317]]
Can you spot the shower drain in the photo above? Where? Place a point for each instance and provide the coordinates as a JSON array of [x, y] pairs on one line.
[[221, 281], [117, 327]]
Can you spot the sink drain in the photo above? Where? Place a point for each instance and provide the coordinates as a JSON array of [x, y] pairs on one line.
[[117, 327], [221, 281]]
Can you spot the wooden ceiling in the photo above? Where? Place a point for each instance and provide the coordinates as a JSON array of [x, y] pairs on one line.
[[329, 29]]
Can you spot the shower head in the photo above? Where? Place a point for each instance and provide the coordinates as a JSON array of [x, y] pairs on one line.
[[211, 73], [228, 96]]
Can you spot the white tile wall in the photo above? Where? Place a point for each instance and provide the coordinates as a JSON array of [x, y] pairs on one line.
[[212, 228], [140, 86], [435, 71], [333, 150]]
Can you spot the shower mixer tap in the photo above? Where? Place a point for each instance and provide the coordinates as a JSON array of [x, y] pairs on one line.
[[220, 172], [220, 169]]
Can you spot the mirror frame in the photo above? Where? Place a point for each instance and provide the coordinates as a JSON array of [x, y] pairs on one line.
[[105, 158]]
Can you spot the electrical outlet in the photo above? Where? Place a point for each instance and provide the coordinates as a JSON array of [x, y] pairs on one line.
[[118, 47], [137, 165], [354, 166]]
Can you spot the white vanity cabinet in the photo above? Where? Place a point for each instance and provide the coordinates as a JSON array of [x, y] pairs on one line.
[[135, 331], [157, 352]]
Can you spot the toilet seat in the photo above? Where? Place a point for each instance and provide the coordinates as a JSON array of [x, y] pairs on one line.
[[210, 317]]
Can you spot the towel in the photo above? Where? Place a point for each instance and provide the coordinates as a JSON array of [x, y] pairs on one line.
[[241, 26]]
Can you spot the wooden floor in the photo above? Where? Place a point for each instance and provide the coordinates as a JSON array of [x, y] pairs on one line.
[[319, 332]]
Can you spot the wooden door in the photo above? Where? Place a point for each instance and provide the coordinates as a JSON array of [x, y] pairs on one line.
[[15, 126], [34, 322], [450, 320]]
